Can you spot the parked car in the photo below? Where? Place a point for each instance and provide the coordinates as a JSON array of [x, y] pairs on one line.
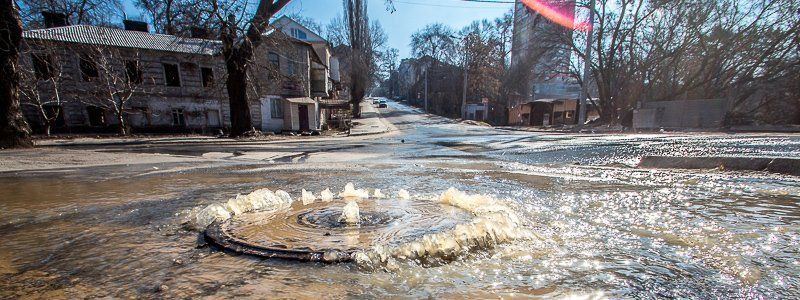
[[382, 104]]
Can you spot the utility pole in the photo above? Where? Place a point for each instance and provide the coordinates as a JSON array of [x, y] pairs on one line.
[[587, 69], [464, 96], [426, 89], [464, 91]]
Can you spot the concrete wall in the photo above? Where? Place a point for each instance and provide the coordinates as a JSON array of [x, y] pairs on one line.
[[709, 113]]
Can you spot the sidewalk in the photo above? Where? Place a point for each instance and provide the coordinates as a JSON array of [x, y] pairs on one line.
[[371, 121]]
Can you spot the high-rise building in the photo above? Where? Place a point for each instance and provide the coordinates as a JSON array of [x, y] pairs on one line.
[[540, 52]]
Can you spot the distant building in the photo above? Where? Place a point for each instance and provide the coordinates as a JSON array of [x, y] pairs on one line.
[[540, 54], [477, 111], [179, 82]]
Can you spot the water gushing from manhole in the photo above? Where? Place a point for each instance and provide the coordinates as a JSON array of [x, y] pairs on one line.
[[374, 232]]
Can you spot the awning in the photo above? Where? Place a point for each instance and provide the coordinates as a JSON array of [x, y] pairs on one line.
[[548, 100], [335, 104], [301, 100]]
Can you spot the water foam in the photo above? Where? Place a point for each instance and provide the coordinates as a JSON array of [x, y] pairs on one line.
[[258, 200], [403, 194], [307, 197], [350, 213], [494, 223], [351, 192], [326, 195], [378, 195]]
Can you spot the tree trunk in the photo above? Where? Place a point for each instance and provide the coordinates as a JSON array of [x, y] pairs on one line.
[[121, 124], [241, 121], [14, 131], [238, 54]]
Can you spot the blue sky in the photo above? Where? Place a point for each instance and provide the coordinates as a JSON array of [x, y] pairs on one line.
[[410, 15]]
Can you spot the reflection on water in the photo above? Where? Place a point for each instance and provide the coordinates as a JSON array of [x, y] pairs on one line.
[[598, 231]]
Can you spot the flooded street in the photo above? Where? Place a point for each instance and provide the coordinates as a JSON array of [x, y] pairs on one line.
[[599, 227]]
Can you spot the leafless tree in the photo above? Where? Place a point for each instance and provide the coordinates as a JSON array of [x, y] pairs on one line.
[[361, 51], [240, 36], [14, 131], [435, 40], [180, 17], [89, 12], [115, 76], [41, 82], [336, 32], [665, 50]]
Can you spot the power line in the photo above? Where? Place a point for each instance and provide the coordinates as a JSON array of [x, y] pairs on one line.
[[490, 1], [457, 6]]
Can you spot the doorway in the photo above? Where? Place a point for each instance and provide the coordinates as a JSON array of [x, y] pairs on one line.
[[302, 111]]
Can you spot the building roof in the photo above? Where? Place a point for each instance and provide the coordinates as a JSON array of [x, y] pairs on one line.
[[96, 35]]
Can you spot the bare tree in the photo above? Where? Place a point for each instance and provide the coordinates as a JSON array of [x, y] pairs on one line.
[[41, 83], [14, 131], [90, 12], [180, 17], [115, 76], [162, 14], [665, 50], [238, 45], [361, 51], [435, 40], [336, 32]]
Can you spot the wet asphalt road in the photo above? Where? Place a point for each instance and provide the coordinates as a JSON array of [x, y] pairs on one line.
[[604, 227]]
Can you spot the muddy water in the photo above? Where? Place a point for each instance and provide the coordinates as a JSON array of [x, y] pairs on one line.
[[317, 226], [601, 229]]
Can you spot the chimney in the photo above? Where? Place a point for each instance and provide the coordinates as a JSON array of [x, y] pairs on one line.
[[53, 19], [199, 32], [136, 25]]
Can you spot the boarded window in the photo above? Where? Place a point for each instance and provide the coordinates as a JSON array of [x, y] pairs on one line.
[[208, 76], [276, 108], [178, 119], [134, 71], [88, 69], [172, 76], [42, 66]]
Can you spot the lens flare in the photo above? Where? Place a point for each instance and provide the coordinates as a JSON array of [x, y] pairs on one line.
[[559, 12]]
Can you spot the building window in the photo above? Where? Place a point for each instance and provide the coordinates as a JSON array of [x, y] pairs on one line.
[[57, 111], [88, 69], [568, 114], [133, 71], [42, 66], [171, 75], [299, 34], [97, 116], [178, 119], [208, 76], [276, 108], [274, 60], [294, 68]]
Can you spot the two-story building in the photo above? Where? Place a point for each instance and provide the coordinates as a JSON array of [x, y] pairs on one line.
[[157, 82]]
